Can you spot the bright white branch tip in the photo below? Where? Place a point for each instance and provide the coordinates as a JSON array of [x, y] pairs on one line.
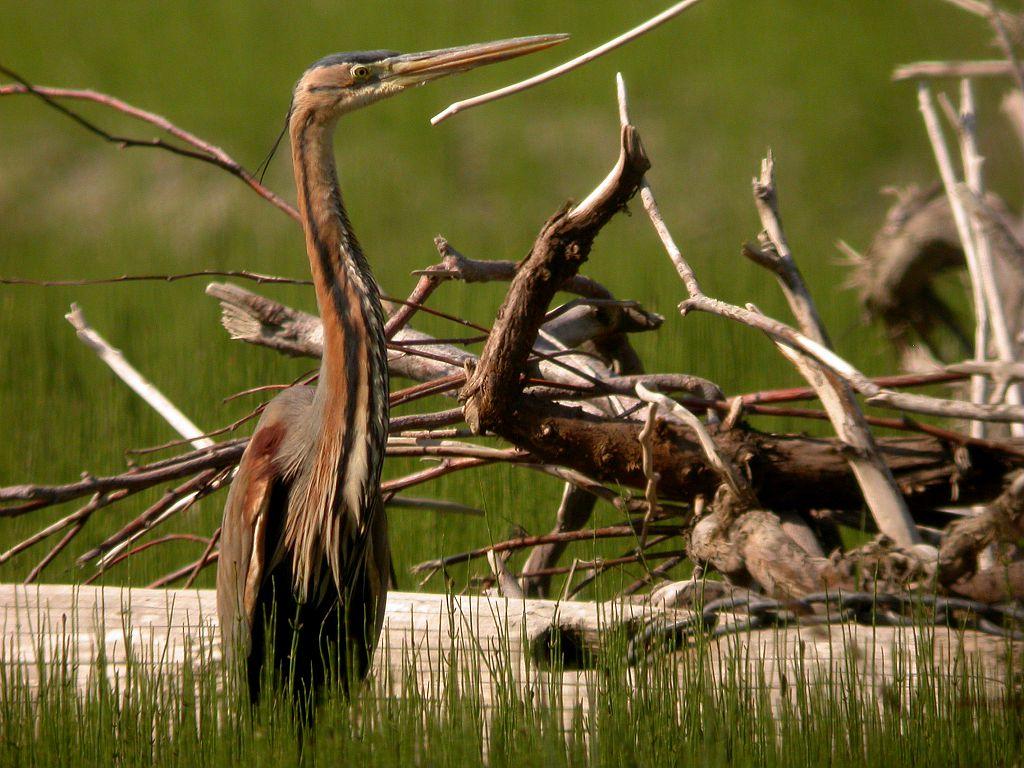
[[138, 383], [561, 69]]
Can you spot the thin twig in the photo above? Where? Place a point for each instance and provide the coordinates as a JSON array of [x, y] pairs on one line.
[[184, 572], [524, 542], [52, 554], [207, 153], [242, 274], [568, 66], [203, 559]]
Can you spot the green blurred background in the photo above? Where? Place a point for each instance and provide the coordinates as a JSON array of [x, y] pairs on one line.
[[710, 92]]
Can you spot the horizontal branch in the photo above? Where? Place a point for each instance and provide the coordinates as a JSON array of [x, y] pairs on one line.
[[958, 69], [525, 542]]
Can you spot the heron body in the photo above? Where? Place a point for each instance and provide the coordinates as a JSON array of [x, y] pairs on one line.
[[304, 559]]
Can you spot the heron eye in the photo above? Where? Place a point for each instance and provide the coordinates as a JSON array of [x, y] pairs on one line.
[[359, 72]]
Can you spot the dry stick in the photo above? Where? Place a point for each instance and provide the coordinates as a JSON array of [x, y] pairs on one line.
[[455, 450], [997, 22], [78, 516], [52, 554], [420, 293], [524, 542], [998, 19], [999, 372], [433, 505], [124, 556], [935, 69], [963, 227], [784, 334], [204, 558], [952, 409], [272, 324], [184, 571], [998, 324], [601, 563], [506, 580], [427, 388], [222, 455], [660, 572], [242, 274], [455, 266], [568, 66], [425, 420], [144, 522], [717, 460], [646, 438], [254, 413], [883, 498], [446, 467], [208, 153], [144, 389], [637, 555], [180, 505]]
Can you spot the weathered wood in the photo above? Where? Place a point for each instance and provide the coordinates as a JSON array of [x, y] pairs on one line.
[[506, 641]]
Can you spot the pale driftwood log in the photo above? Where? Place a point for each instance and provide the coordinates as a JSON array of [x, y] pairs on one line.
[[883, 498], [165, 630]]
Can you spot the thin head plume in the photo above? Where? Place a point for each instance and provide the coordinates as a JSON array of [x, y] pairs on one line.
[[261, 169]]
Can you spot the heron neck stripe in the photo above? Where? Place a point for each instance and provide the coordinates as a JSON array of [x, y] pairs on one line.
[[360, 371]]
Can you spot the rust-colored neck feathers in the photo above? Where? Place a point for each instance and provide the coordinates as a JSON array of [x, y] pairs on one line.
[[347, 429]]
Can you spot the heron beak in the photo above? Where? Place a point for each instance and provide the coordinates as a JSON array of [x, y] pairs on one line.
[[417, 68]]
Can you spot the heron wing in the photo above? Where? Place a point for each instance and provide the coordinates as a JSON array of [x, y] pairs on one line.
[[244, 548]]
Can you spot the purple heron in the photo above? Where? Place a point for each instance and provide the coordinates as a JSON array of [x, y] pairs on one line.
[[304, 559]]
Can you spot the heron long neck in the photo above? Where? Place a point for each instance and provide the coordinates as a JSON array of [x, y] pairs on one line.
[[348, 422]]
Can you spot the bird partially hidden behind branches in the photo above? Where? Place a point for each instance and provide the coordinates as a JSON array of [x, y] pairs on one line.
[[304, 560]]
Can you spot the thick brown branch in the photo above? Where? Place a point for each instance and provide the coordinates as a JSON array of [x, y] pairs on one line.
[[788, 471], [562, 246]]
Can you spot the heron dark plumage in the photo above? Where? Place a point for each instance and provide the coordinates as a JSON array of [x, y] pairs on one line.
[[304, 547]]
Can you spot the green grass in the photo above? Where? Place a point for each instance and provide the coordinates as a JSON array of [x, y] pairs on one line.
[[710, 92], [663, 711]]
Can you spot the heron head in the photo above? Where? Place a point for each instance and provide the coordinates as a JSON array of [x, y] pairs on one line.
[[346, 81]]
